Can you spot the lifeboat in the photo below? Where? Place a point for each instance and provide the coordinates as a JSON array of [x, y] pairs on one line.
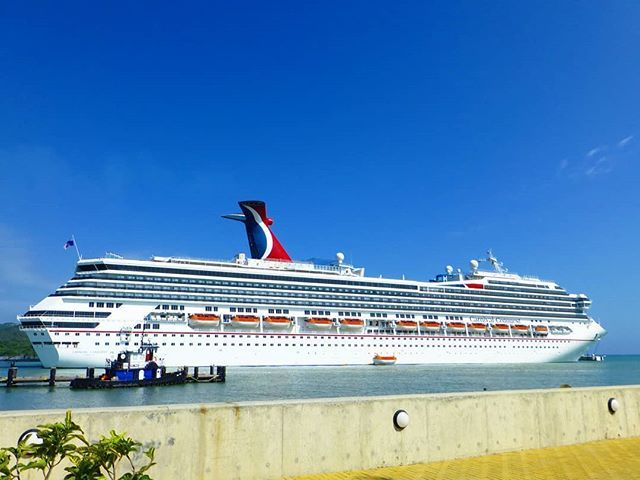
[[456, 327], [520, 329], [276, 323], [204, 320], [384, 359], [430, 326], [351, 324], [478, 327], [406, 326], [319, 323], [541, 330], [245, 321], [500, 329]]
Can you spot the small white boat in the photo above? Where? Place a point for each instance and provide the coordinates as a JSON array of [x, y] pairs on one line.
[[384, 359], [430, 326], [319, 323], [351, 324], [204, 320], [591, 358], [500, 329], [541, 330], [477, 327], [406, 326], [276, 323], [456, 327], [245, 321], [520, 329]]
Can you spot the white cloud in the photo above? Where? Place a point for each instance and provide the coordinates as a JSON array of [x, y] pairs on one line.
[[594, 151], [601, 166], [623, 143]]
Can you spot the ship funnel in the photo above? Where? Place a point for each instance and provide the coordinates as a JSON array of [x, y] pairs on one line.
[[263, 243]]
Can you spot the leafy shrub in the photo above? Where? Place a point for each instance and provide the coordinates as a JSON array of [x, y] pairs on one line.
[[101, 460]]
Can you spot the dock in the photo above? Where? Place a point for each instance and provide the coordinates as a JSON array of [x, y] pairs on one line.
[[613, 459], [209, 374]]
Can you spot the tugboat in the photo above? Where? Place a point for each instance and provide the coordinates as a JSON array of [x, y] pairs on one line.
[[132, 369]]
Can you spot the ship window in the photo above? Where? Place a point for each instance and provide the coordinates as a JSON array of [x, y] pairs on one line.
[[91, 304]]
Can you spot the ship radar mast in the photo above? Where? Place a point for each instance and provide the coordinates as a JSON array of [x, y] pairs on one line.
[[493, 260]]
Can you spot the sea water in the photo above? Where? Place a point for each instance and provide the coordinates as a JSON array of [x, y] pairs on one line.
[[277, 383]]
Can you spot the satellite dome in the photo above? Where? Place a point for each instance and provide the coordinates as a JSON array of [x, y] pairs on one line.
[[474, 264], [449, 269], [340, 257]]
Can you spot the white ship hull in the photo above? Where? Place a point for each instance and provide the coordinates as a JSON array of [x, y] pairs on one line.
[[269, 348]]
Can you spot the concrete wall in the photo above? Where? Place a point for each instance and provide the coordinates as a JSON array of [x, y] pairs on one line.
[[261, 440]]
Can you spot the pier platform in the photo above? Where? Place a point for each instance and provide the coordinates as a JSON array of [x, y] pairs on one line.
[[615, 459]]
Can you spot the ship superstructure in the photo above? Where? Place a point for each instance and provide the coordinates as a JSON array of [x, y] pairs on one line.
[[270, 310]]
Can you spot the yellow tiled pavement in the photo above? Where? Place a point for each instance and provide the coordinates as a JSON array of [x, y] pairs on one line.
[[605, 459]]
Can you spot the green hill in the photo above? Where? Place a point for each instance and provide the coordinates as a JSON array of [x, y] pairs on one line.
[[13, 342]]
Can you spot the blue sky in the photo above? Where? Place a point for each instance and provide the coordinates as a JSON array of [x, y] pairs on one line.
[[409, 135]]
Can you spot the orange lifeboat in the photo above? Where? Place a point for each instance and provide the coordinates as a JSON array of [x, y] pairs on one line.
[[406, 326], [204, 320], [351, 324], [276, 323], [478, 327], [500, 328], [520, 329], [456, 327], [245, 321], [319, 323], [541, 330], [430, 326], [384, 359]]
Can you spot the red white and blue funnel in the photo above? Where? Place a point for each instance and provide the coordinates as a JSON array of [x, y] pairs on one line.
[[263, 243]]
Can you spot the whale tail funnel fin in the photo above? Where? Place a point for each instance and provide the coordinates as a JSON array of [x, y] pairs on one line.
[[263, 243]]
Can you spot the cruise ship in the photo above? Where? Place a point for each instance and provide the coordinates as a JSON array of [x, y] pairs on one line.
[[268, 310]]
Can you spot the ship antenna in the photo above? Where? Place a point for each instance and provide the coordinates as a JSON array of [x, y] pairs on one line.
[[493, 260]]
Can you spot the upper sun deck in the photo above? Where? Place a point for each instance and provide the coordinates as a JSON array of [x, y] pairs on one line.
[[240, 261]]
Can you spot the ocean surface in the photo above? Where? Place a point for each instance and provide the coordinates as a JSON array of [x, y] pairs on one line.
[[262, 383]]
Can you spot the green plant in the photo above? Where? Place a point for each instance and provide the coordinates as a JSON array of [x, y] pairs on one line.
[[89, 461]]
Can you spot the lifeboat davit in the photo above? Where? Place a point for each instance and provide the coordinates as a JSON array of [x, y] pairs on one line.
[[276, 323], [319, 323], [406, 326], [245, 321], [384, 359], [478, 327], [541, 330], [430, 326], [351, 324], [500, 328], [204, 320], [520, 329], [456, 327]]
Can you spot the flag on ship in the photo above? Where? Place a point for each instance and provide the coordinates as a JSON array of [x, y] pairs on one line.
[[68, 244]]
